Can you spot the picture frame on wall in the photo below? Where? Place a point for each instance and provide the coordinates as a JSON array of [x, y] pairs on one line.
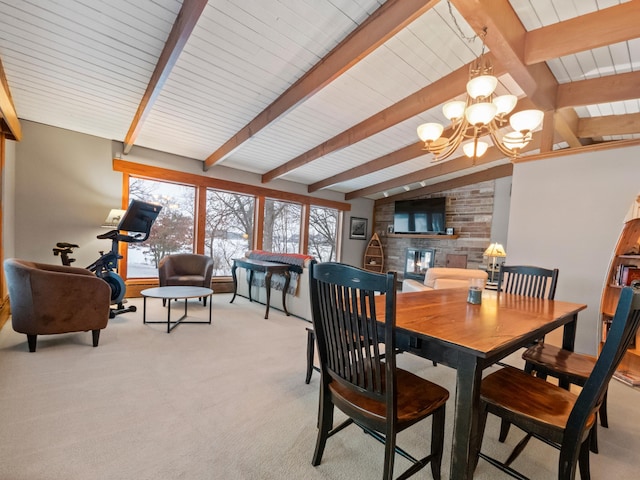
[[358, 228]]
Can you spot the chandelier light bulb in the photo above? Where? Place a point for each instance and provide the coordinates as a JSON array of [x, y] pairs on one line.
[[481, 86], [480, 114], [526, 120], [480, 149], [454, 110], [429, 132], [505, 103]]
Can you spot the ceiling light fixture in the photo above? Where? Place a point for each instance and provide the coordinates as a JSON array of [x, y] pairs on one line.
[[483, 113]]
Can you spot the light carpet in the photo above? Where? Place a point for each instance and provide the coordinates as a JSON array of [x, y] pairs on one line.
[[220, 401]]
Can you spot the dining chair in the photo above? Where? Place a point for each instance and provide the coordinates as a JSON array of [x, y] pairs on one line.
[[569, 368], [551, 413], [370, 390], [529, 281]]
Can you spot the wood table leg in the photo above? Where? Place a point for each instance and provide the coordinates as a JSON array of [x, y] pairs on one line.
[[465, 426], [287, 280]]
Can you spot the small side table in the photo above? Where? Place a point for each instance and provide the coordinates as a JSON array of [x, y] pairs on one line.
[[178, 293]]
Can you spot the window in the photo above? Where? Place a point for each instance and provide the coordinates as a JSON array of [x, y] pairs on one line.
[[229, 228], [172, 231], [281, 231], [323, 233]]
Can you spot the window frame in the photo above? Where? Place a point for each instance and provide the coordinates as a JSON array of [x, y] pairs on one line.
[[202, 183]]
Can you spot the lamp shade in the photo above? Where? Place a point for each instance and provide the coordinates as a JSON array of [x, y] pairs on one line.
[[480, 114], [526, 120], [516, 140], [495, 250], [454, 110], [428, 132], [481, 86], [113, 219], [505, 103], [480, 147]]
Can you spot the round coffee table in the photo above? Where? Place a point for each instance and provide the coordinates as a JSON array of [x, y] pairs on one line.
[[178, 293]]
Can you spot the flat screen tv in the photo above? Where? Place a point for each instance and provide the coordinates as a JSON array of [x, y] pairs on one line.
[[421, 215]]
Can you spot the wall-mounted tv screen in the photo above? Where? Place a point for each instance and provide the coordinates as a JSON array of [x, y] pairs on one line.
[[421, 215]]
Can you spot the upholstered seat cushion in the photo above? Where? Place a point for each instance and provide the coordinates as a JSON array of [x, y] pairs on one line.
[[438, 278]]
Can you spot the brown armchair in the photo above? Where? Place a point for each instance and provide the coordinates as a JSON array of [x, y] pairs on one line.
[[49, 299], [189, 269]]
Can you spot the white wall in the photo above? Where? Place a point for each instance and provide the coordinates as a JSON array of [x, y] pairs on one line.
[[567, 212], [65, 186]]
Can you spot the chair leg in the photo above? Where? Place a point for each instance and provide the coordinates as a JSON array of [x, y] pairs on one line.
[[593, 437], [604, 418], [31, 341], [96, 337], [310, 353], [583, 461], [164, 302], [325, 422], [504, 430], [389, 455], [437, 441]]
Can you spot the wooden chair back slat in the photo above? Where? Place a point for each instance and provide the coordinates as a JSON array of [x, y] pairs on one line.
[[528, 280], [345, 300]]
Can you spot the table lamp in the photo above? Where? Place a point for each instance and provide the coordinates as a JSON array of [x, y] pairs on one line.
[[113, 219], [494, 251]]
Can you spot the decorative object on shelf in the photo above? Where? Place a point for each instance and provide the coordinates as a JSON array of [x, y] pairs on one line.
[[449, 231], [373, 255], [482, 113], [358, 228], [493, 252]]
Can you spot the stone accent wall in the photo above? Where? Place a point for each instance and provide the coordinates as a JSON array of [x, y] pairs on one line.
[[469, 211]]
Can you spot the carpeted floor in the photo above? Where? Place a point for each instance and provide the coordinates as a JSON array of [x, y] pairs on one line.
[[226, 401]]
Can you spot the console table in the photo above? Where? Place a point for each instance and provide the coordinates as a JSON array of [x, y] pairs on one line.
[[268, 268]]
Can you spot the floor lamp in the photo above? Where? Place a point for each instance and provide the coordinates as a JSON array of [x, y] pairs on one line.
[[494, 251]]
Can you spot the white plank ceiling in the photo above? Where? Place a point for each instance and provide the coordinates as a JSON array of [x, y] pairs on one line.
[[84, 65]]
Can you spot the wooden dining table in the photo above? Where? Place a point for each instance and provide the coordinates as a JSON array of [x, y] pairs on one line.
[[441, 326]]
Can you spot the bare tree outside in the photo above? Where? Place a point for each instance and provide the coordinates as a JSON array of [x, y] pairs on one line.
[[282, 223], [323, 233], [172, 232], [229, 228]]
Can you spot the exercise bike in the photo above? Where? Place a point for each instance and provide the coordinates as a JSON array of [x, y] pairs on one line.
[[137, 222]]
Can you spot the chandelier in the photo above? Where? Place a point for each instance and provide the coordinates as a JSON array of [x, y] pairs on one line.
[[483, 113]]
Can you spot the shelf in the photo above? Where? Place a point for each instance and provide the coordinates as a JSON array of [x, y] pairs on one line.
[[417, 235]]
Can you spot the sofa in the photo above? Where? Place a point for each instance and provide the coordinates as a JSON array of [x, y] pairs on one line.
[[297, 299], [438, 278]]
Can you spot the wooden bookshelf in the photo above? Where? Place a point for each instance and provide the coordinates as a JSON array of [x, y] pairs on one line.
[[374, 256], [625, 254]]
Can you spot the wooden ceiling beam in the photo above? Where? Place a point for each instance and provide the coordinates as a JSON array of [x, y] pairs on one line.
[[424, 99], [566, 124], [11, 125], [438, 169], [608, 125], [180, 32], [383, 24], [394, 158], [598, 29], [612, 88], [492, 173], [506, 40]]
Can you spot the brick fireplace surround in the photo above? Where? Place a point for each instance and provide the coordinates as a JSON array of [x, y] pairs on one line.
[[469, 211]]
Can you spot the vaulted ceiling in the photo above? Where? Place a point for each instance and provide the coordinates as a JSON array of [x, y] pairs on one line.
[[327, 93]]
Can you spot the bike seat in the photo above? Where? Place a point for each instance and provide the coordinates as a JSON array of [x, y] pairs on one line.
[[66, 245]]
